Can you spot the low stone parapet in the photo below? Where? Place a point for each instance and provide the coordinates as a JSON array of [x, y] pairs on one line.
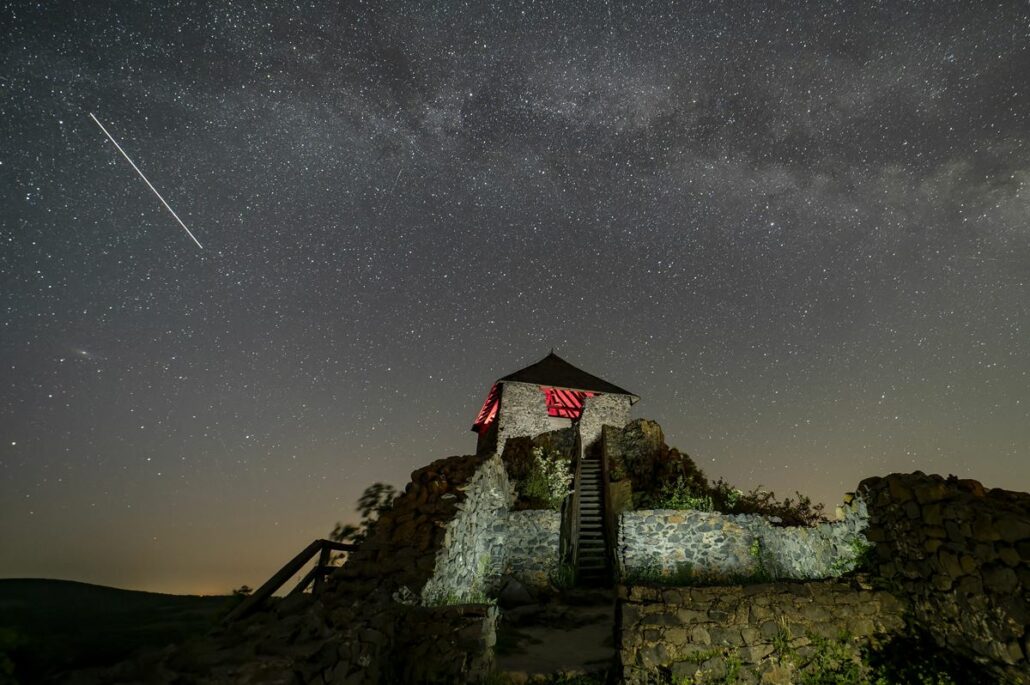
[[755, 633], [713, 545]]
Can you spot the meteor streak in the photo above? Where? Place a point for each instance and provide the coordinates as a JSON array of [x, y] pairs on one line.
[[149, 184]]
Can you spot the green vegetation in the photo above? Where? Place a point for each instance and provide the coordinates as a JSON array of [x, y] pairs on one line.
[[563, 576], [548, 479], [912, 660], [56, 625], [651, 572], [374, 501], [761, 573], [680, 494], [10, 640], [859, 558], [442, 599], [557, 679], [662, 477]]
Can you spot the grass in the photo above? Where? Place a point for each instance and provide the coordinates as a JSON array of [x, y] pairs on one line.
[[684, 575], [49, 626]]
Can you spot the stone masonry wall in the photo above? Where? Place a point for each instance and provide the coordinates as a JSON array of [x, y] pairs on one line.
[[721, 545], [523, 412], [446, 644], [464, 562], [765, 633], [601, 410], [525, 545], [961, 555]]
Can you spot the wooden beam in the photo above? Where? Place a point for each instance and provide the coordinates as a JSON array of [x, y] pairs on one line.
[[283, 575], [319, 570]]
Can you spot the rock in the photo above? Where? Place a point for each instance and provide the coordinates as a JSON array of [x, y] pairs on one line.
[[514, 594], [898, 492], [1000, 579], [1013, 528], [293, 603], [931, 492], [984, 529], [775, 674], [1009, 556], [949, 563]]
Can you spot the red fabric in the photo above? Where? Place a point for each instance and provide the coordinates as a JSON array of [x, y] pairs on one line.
[[567, 404], [488, 413]]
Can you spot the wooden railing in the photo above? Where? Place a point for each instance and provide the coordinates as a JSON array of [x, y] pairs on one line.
[[318, 572], [569, 538], [611, 529]]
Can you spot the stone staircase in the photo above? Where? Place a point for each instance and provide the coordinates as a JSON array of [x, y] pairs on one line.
[[592, 568]]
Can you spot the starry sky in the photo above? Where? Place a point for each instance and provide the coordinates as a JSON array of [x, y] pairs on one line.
[[801, 233]]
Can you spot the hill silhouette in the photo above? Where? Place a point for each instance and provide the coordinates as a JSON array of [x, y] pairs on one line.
[[51, 626]]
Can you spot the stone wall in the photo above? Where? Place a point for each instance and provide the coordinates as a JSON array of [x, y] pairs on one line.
[[523, 412], [402, 549], [446, 645], [961, 555], [714, 545], [465, 561], [601, 410], [763, 633], [525, 544]]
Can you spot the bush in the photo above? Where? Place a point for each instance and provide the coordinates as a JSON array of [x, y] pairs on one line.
[[682, 495], [563, 577], [663, 477], [548, 480]]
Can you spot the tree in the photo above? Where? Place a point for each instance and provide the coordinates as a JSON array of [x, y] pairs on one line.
[[376, 499]]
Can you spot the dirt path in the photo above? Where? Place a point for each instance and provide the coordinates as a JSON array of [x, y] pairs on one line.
[[556, 638]]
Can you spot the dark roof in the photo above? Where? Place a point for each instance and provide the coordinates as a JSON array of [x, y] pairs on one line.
[[554, 371]]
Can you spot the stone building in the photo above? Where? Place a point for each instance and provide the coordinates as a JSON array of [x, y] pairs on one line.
[[549, 395]]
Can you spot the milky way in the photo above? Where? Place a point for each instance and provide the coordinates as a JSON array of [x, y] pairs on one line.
[[802, 236]]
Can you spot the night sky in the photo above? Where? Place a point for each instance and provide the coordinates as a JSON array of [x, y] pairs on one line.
[[801, 235]]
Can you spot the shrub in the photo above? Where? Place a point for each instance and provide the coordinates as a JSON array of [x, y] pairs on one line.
[[563, 576], [664, 477], [549, 478], [681, 495], [859, 558]]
